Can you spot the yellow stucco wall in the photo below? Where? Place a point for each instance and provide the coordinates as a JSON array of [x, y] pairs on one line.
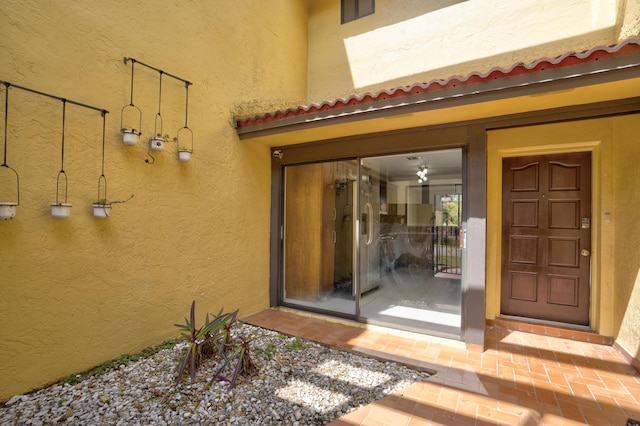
[[615, 249], [415, 41], [627, 234], [76, 292]]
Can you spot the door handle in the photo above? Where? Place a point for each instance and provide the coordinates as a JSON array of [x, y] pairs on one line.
[[369, 209], [585, 252]]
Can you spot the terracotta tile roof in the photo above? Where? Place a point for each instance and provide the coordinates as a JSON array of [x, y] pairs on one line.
[[568, 59]]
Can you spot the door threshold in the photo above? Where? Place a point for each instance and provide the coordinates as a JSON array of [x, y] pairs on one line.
[[545, 322], [578, 333], [456, 343]]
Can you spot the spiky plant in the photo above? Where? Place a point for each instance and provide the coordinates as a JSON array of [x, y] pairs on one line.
[[210, 333], [237, 355]]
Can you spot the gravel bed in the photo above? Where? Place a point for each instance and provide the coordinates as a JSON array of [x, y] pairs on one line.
[[297, 383]]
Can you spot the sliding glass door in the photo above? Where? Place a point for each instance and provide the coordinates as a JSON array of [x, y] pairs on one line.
[[410, 256], [378, 239]]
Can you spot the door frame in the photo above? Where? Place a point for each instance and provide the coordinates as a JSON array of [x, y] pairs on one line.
[[589, 128], [484, 153], [503, 242], [470, 138], [494, 224]]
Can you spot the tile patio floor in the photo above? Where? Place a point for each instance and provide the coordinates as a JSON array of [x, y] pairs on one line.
[[521, 378]]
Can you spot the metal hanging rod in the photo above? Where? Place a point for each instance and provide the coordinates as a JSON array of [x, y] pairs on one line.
[[7, 84], [135, 61]]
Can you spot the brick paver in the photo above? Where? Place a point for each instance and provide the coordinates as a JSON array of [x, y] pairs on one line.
[[527, 375]]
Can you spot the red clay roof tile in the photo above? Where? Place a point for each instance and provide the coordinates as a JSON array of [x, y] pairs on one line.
[[568, 59]]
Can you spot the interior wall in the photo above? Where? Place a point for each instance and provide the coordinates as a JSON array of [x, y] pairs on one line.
[[615, 307], [79, 291]]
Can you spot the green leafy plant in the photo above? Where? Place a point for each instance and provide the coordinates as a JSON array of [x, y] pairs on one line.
[[298, 344], [269, 351], [103, 368], [105, 202], [71, 379], [236, 355], [208, 337], [167, 137], [214, 339]]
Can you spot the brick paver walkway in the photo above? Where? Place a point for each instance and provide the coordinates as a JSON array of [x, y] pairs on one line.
[[520, 378]]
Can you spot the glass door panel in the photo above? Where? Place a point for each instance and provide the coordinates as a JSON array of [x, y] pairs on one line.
[[409, 241], [377, 239], [319, 211]]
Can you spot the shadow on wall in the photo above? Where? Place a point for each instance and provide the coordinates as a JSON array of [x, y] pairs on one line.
[[503, 60], [627, 241], [629, 334], [424, 26]]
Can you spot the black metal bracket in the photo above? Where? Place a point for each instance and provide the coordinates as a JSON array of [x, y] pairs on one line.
[[135, 61], [37, 92]]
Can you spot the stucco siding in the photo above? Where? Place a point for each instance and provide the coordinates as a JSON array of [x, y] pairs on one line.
[[615, 262], [415, 41], [627, 232], [79, 291]]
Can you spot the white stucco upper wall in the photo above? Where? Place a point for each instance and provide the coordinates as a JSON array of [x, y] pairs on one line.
[[415, 41]]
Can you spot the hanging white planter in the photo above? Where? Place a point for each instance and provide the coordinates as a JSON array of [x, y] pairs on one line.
[[7, 211], [101, 211], [157, 143], [184, 139], [60, 210], [184, 155], [130, 136], [8, 208]]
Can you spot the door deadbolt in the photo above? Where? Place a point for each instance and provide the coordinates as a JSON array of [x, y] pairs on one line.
[[585, 252]]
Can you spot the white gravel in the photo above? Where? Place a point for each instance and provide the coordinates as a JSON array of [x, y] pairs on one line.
[[304, 384]]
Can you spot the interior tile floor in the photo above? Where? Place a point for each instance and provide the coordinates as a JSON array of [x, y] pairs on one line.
[[413, 298], [521, 378]]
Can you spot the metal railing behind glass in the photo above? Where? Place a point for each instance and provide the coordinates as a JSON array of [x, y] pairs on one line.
[[447, 250]]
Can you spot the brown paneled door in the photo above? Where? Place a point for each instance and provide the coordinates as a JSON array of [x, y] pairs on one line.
[[546, 237]]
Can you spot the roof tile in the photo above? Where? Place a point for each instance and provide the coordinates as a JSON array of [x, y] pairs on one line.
[[520, 68]]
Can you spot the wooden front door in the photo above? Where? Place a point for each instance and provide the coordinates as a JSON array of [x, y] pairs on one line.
[[546, 237]]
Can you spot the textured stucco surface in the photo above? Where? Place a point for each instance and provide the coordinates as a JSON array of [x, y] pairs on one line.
[[627, 232], [415, 41], [77, 292], [615, 249], [629, 18]]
